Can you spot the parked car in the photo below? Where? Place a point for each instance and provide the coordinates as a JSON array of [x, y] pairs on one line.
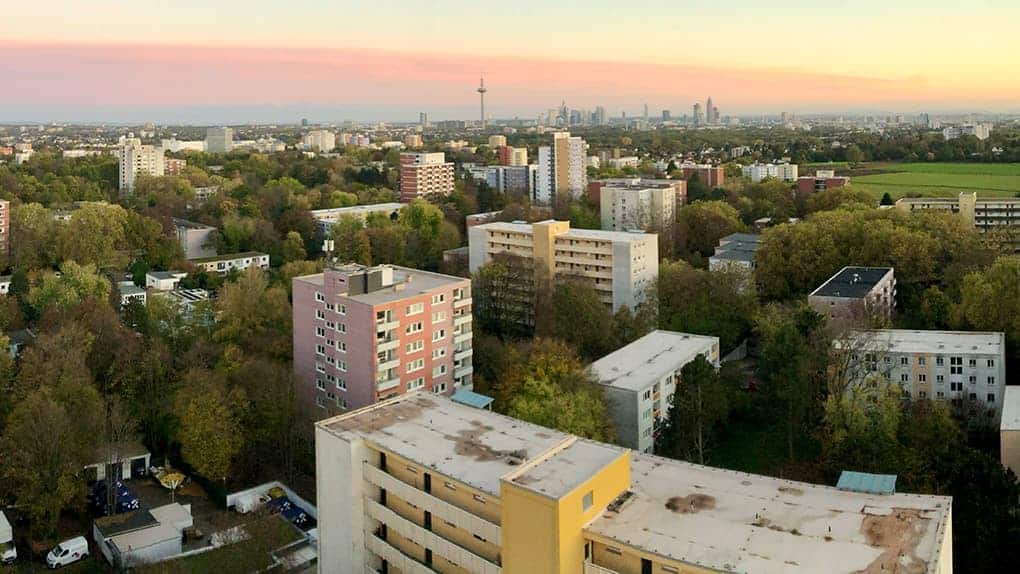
[[68, 552], [8, 552]]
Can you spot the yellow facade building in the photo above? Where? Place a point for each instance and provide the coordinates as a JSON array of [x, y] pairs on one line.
[[422, 484]]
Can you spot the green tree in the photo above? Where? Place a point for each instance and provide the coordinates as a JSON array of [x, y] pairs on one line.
[[254, 315], [579, 411], [699, 403], [76, 283], [701, 225], [294, 247], [854, 156], [990, 301], [210, 434], [350, 241], [886, 199], [579, 317], [95, 235], [32, 237], [861, 427], [716, 303]]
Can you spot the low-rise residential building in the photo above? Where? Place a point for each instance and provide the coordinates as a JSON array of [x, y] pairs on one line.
[[196, 238], [622, 162], [362, 334], [142, 536], [327, 217], [822, 180], [710, 175], [130, 292], [759, 171], [639, 380], [421, 483], [999, 216], [628, 207], [967, 368], [512, 156], [1009, 430], [619, 265], [233, 261], [186, 299], [206, 192], [735, 251], [979, 130], [163, 280], [174, 166], [425, 174], [855, 296]]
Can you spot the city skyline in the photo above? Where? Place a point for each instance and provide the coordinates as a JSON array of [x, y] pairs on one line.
[[268, 62]]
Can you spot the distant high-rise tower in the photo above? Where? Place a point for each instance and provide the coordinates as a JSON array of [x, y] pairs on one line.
[[709, 118], [646, 112], [481, 95], [423, 119], [698, 119]]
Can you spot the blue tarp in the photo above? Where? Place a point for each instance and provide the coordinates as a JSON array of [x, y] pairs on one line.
[[472, 399], [867, 482]]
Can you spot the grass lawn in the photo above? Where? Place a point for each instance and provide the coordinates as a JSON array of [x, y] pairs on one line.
[[937, 179]]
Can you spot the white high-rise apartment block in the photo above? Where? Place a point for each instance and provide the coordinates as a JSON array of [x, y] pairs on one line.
[[759, 171], [619, 266], [965, 367], [562, 167], [319, 140], [628, 207], [219, 140], [136, 158], [639, 380], [980, 130]]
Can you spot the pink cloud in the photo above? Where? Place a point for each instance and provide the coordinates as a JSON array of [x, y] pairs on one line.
[[106, 74]]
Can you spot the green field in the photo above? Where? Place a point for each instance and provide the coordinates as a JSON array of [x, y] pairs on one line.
[[935, 179]]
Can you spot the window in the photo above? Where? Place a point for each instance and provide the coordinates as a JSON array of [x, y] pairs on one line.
[[320, 385], [438, 335], [904, 360], [341, 327], [939, 379], [330, 360], [972, 363], [320, 314], [973, 396], [330, 325], [437, 299], [330, 306], [319, 297], [972, 379], [320, 332], [413, 328], [438, 316], [955, 365], [991, 397], [647, 414], [341, 384], [954, 386], [415, 365], [439, 389], [904, 378], [414, 309], [320, 402], [991, 363], [587, 501], [342, 309], [647, 395], [438, 354], [342, 365], [414, 346], [922, 395], [921, 378], [939, 361], [320, 349], [319, 367], [940, 394], [920, 361], [991, 380], [341, 402], [416, 384], [341, 346], [439, 371]]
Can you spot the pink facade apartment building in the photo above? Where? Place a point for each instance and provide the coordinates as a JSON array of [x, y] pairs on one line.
[[425, 174], [364, 334]]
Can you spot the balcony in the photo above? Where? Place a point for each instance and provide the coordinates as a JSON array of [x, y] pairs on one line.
[[387, 384], [439, 545], [387, 344], [385, 366], [461, 355], [593, 568], [463, 301], [437, 506], [394, 557], [386, 325], [459, 320], [460, 373], [461, 337]]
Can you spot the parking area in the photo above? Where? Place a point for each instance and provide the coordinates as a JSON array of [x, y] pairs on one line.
[[208, 518]]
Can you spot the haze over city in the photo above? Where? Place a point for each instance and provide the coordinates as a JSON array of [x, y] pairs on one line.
[[263, 61]]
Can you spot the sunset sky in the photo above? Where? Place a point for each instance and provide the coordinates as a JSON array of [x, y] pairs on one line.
[[269, 60]]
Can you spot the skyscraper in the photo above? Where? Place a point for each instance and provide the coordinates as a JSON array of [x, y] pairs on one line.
[[666, 116], [698, 118], [423, 119], [709, 117]]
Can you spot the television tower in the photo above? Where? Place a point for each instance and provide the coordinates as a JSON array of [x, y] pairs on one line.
[[481, 94]]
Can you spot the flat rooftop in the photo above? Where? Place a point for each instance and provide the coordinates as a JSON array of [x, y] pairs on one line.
[[650, 358], [564, 470], [852, 282], [472, 446], [937, 342], [1011, 410], [184, 223], [736, 522], [588, 234], [408, 282], [228, 257], [741, 238], [356, 210]]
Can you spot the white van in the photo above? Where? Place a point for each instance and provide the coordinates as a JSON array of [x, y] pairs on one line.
[[67, 552], [8, 553]]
